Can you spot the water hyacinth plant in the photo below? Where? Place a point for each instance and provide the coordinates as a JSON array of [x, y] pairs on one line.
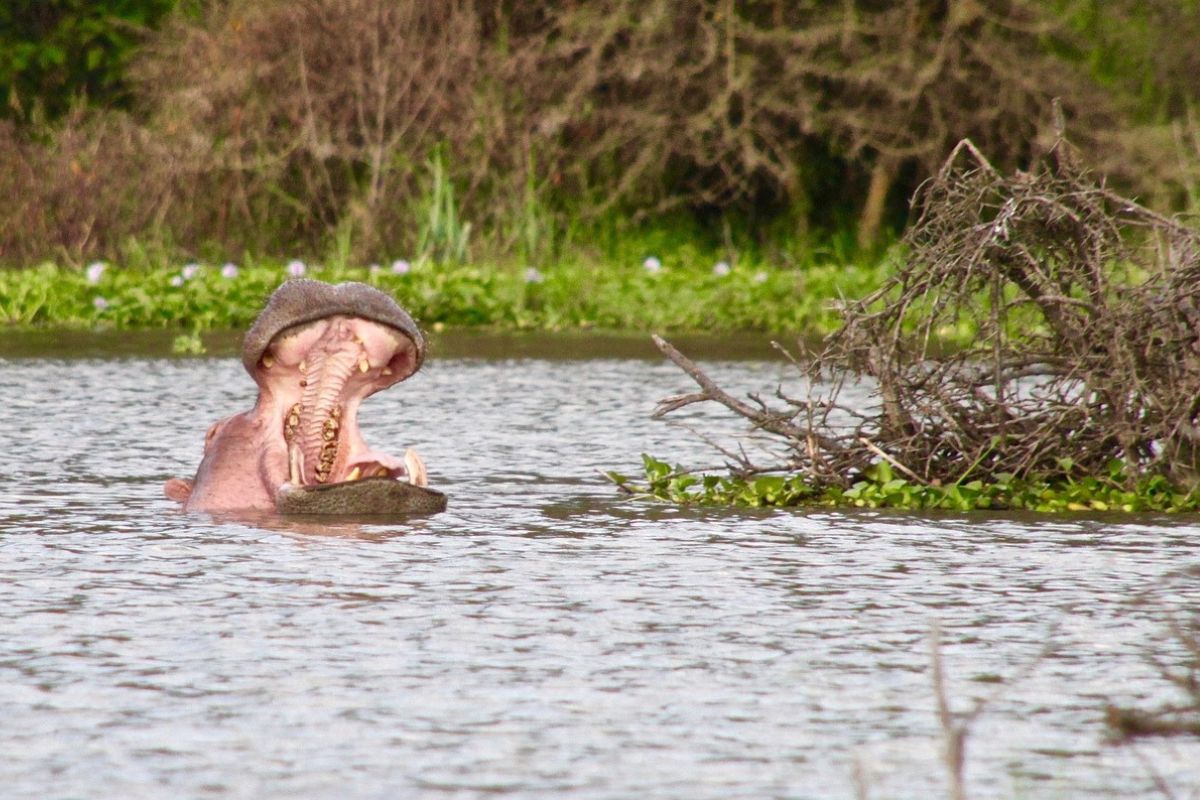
[[569, 294], [883, 487]]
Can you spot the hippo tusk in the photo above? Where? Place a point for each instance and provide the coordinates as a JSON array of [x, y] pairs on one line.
[[296, 464], [417, 475]]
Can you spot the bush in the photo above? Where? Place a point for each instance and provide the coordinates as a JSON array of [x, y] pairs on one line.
[[97, 181], [317, 118], [366, 127], [53, 52]]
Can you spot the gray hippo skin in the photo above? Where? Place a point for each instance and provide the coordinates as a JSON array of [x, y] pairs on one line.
[[315, 352]]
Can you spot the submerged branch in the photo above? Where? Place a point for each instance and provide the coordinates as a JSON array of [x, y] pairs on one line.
[[761, 417]]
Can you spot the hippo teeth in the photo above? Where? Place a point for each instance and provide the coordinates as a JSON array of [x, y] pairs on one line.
[[296, 465], [329, 444], [415, 467]]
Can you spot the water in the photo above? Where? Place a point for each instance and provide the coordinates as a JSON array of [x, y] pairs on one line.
[[545, 637]]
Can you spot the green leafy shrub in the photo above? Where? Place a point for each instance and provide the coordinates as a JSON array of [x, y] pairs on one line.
[[52, 52], [880, 487]]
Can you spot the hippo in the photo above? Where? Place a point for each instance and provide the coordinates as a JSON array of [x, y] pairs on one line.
[[315, 351]]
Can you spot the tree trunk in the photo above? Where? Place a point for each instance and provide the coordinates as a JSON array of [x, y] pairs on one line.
[[882, 176]]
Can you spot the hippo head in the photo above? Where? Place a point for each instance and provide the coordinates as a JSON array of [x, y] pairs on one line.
[[315, 352]]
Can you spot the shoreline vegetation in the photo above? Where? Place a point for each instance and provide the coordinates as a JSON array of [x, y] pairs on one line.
[[489, 131], [681, 294], [880, 487]]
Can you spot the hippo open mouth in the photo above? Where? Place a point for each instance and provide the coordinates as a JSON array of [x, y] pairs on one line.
[[316, 351], [317, 374]]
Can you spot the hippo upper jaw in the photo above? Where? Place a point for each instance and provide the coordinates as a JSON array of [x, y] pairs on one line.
[[303, 431]]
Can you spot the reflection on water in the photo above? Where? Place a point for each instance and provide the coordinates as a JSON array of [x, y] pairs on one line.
[[544, 637]]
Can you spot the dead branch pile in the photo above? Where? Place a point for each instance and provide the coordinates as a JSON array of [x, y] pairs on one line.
[[1083, 312]]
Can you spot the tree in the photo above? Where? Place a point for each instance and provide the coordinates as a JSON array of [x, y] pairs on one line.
[[53, 52]]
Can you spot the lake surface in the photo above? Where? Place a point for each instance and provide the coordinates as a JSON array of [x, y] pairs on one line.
[[545, 637]]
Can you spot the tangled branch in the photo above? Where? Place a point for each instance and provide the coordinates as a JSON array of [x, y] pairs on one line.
[[1075, 319]]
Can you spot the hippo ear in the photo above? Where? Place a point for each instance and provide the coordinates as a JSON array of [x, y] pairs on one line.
[[178, 489]]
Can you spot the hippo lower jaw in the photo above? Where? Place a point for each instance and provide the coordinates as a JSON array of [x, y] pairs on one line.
[[373, 496]]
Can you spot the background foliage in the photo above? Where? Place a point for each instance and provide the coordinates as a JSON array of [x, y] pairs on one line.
[[469, 128], [53, 51]]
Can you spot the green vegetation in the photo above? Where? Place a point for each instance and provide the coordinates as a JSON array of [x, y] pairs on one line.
[[880, 487], [55, 52], [682, 292]]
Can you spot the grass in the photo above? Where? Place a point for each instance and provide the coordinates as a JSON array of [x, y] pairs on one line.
[[681, 292]]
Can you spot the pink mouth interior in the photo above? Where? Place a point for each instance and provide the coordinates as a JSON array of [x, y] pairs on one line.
[[316, 375]]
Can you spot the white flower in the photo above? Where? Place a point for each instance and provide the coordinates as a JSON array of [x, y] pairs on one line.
[[374, 269], [760, 276], [230, 270], [177, 280], [401, 267], [189, 271], [721, 268], [296, 268], [532, 275], [99, 303], [95, 270], [652, 264]]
